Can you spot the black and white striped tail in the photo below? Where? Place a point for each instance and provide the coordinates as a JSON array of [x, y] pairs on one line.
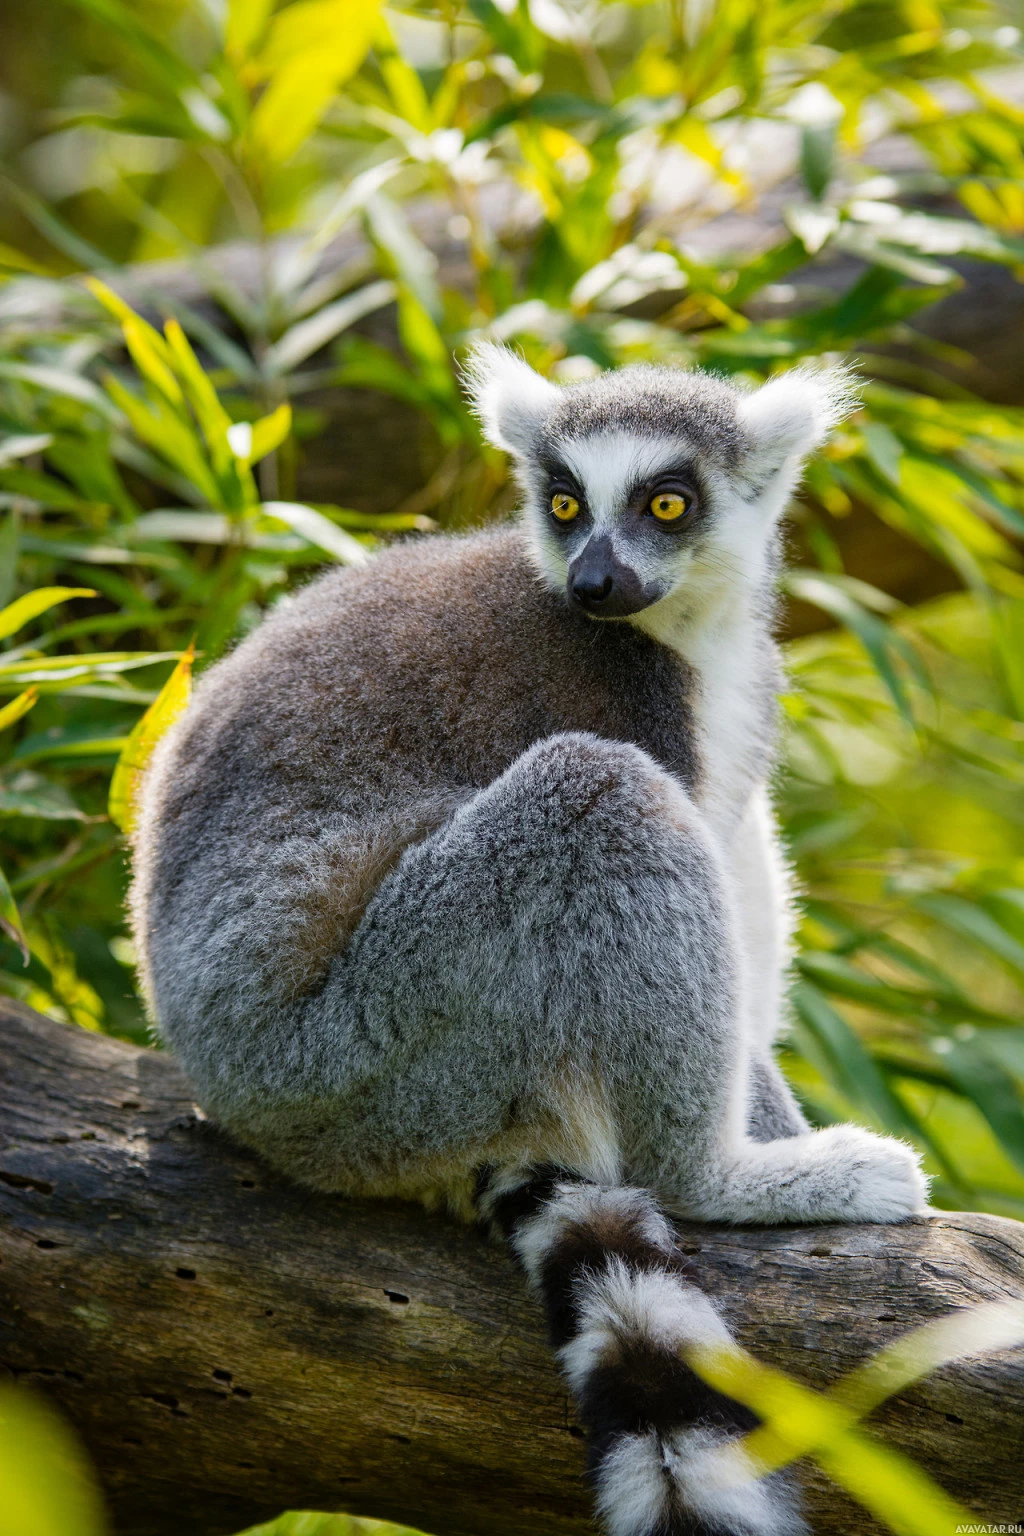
[[621, 1306]]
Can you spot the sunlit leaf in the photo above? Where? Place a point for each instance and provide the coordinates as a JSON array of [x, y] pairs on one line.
[[24, 609], [269, 433], [246, 23], [318, 530], [988, 1085], [171, 701], [13, 711], [313, 46]]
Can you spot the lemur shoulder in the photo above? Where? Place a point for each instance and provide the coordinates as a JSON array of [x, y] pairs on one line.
[[459, 880]]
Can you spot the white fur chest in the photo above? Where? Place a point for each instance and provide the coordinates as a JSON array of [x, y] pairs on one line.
[[732, 661], [733, 713]]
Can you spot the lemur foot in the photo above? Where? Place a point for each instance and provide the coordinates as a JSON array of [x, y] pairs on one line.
[[883, 1177], [842, 1173]]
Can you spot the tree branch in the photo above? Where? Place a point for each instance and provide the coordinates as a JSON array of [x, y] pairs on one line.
[[229, 1345]]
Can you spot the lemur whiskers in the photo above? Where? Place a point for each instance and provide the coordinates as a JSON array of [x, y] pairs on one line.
[[459, 880]]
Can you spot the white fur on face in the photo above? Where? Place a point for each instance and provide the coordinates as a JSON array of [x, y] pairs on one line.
[[607, 468], [728, 553]]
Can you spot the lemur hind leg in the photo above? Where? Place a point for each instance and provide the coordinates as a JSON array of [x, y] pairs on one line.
[[772, 1111], [577, 906]]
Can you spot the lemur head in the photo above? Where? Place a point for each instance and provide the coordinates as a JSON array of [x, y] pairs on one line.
[[652, 485]]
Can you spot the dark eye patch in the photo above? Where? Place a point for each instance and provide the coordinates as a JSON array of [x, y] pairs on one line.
[[561, 480], [677, 479]]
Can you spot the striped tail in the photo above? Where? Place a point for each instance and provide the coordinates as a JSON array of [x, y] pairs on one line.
[[621, 1305]]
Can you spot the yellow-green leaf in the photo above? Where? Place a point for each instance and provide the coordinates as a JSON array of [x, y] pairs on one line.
[[210, 414], [18, 707], [269, 433], [313, 47], [169, 703], [147, 358], [33, 604], [797, 1421], [247, 20], [46, 1485], [115, 305], [10, 923], [403, 83]]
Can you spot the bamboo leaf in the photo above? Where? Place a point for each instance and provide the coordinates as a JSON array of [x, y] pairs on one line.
[[24, 609], [312, 48], [990, 1087], [10, 923], [318, 530], [170, 702], [857, 1074], [18, 707], [246, 23], [308, 336]]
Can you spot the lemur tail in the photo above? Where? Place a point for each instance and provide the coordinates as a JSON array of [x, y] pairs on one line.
[[621, 1307]]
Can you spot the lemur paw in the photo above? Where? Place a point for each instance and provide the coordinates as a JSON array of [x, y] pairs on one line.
[[881, 1178]]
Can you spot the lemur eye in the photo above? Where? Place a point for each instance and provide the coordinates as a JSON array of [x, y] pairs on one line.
[[564, 507], [668, 506]]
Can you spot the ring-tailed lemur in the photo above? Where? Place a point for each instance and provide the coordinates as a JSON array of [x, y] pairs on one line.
[[458, 881]]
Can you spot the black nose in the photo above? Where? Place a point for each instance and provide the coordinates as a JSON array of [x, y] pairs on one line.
[[591, 589]]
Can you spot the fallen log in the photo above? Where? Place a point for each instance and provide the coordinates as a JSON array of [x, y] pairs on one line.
[[229, 1345]]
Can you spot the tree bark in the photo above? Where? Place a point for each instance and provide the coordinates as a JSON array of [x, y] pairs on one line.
[[229, 1345]]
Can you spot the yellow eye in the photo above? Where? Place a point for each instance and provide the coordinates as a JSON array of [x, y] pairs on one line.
[[564, 507], [667, 507]]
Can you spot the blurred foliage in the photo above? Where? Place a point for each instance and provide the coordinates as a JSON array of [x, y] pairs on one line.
[[796, 1422], [47, 1487], [575, 149]]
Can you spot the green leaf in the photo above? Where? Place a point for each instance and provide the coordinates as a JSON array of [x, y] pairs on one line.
[[246, 24], [59, 382], [69, 742], [8, 555], [990, 1088], [20, 445], [412, 262], [882, 643], [973, 922], [164, 67], [404, 84], [29, 794], [10, 923], [857, 1075], [884, 449], [18, 707], [269, 433], [817, 156]]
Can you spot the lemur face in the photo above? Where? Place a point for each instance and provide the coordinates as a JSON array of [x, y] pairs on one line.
[[649, 485], [617, 517]]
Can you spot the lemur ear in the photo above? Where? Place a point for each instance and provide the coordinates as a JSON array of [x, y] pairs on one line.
[[790, 415], [511, 400]]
